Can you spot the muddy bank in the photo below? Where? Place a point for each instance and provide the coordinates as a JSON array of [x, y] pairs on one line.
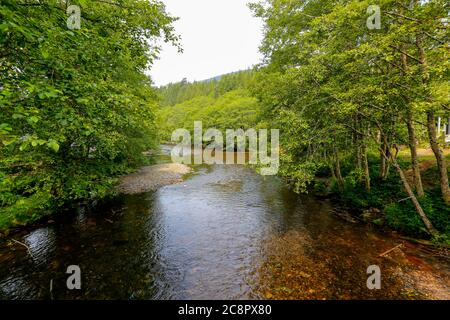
[[151, 178]]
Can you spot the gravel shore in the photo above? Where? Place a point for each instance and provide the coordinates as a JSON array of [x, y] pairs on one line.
[[151, 178]]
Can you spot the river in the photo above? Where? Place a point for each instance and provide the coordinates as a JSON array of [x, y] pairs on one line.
[[225, 233]]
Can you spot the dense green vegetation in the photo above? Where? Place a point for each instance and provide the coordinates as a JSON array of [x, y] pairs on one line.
[[346, 97], [76, 108], [175, 93], [224, 103], [388, 195]]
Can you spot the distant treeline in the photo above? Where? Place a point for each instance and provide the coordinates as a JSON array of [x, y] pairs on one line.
[[225, 103], [178, 92]]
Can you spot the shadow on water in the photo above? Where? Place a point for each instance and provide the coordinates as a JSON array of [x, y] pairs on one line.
[[225, 233]]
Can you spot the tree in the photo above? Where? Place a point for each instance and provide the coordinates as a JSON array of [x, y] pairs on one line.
[[76, 106], [354, 88]]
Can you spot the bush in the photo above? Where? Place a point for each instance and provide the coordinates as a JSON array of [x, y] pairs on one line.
[[403, 216]]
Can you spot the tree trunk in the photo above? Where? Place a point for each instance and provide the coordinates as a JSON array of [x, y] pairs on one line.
[[411, 133], [357, 143], [338, 174], [416, 203], [415, 163], [411, 194], [337, 163], [366, 168], [385, 164], [440, 158], [337, 166], [382, 162], [431, 125], [359, 157], [333, 173]]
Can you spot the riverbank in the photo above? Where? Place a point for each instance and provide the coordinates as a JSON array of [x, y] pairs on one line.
[[150, 178], [224, 233], [145, 179], [387, 206]]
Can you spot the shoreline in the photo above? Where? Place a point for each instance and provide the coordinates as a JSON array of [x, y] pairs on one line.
[[150, 178], [141, 181]]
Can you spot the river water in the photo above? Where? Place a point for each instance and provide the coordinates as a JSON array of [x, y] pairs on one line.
[[225, 233]]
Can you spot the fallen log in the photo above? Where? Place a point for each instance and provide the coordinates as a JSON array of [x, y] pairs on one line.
[[390, 250]]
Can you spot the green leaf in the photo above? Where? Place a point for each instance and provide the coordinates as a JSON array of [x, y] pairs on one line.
[[23, 146], [33, 119], [45, 54], [5, 127], [3, 27], [52, 144]]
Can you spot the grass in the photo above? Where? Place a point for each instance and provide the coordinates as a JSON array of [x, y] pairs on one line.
[[423, 155]]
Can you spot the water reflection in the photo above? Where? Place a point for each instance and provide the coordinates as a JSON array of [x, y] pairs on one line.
[[225, 233], [41, 244]]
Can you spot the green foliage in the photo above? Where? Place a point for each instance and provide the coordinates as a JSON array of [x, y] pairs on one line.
[[298, 175], [391, 199], [230, 108], [76, 108], [400, 216], [175, 93], [340, 92]]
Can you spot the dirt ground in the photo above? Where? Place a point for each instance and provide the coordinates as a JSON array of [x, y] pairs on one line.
[[425, 163], [429, 152]]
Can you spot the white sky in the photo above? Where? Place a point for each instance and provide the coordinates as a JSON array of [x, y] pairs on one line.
[[217, 36]]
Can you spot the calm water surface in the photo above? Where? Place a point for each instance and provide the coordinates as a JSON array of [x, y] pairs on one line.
[[225, 233]]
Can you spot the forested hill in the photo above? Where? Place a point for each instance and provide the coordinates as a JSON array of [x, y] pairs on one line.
[[223, 103], [178, 92]]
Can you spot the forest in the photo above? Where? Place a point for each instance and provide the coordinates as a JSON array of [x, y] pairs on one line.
[[362, 103], [356, 204], [225, 103], [357, 107]]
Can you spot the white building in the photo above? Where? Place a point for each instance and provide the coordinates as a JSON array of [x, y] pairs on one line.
[[444, 129]]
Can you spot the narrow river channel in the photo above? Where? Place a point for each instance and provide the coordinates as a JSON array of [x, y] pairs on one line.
[[225, 233]]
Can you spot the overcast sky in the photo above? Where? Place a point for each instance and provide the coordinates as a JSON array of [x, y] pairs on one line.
[[218, 37]]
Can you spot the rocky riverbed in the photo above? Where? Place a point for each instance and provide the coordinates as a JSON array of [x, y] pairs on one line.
[[150, 178]]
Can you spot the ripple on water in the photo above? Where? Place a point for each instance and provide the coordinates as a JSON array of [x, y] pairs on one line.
[[224, 233]]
